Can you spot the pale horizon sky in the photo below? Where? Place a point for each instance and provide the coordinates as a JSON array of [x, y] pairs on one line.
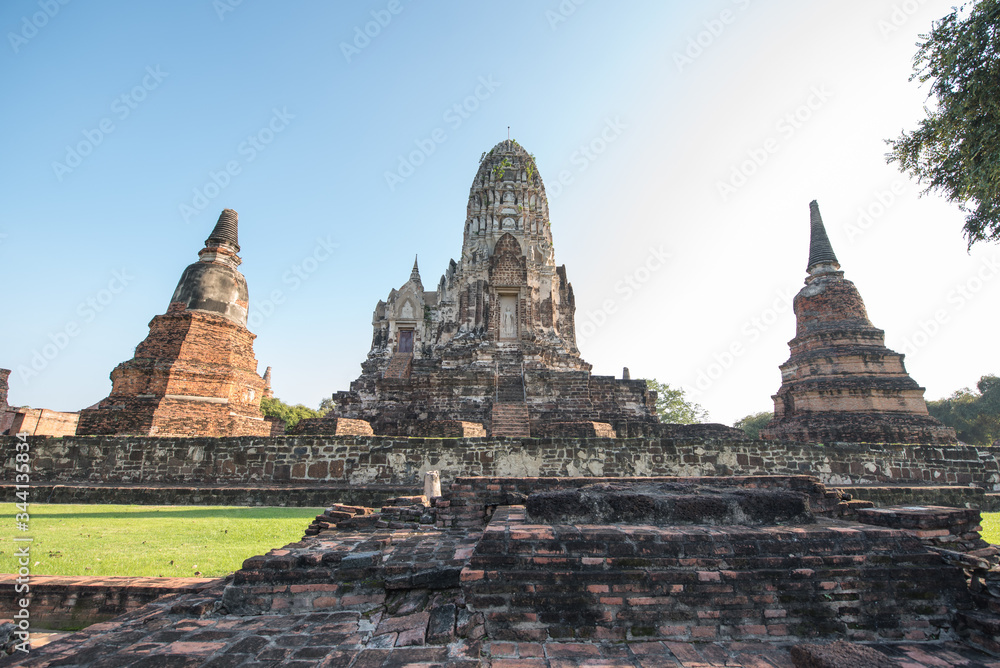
[[680, 145]]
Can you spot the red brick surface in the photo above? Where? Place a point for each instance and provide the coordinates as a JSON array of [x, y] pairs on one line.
[[194, 375]]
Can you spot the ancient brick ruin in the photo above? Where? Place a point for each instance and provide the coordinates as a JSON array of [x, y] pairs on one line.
[[43, 422], [841, 383], [570, 571], [195, 374], [32, 421], [6, 412], [494, 346], [573, 528]]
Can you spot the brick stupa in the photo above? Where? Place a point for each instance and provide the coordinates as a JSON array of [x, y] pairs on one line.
[[841, 383], [195, 374], [493, 348]]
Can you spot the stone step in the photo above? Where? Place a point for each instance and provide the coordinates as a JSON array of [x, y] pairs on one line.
[[399, 367], [510, 419], [981, 630]]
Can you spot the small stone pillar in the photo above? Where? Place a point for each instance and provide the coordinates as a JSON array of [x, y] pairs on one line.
[[432, 484]]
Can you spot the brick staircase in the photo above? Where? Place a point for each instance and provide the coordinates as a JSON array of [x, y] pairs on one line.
[[510, 420], [399, 367], [510, 389], [510, 412]]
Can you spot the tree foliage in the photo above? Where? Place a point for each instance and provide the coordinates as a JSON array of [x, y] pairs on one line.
[[956, 149], [753, 423], [274, 407], [975, 416], [672, 406]]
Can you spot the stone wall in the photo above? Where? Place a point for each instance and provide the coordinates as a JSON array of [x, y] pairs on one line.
[[358, 460], [288, 496]]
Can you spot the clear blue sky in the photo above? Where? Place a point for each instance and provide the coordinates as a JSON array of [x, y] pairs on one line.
[[158, 97]]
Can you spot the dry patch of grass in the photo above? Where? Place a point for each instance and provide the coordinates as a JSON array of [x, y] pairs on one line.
[[991, 528]]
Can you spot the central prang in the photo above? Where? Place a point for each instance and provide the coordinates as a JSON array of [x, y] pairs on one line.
[[492, 351]]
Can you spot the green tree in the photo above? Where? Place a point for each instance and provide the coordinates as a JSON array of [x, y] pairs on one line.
[[327, 405], [274, 407], [975, 416], [955, 150], [672, 406], [753, 423]]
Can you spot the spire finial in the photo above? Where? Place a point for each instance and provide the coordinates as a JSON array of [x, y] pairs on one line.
[[820, 250], [415, 273], [226, 230]]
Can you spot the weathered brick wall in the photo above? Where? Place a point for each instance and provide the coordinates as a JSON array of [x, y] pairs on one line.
[[470, 501], [403, 461], [43, 422], [74, 602], [195, 374], [333, 426], [535, 582]]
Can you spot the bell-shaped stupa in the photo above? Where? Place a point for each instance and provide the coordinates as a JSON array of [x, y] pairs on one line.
[[841, 383], [195, 374]]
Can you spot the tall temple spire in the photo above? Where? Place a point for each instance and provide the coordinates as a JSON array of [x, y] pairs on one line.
[[268, 392], [840, 382], [415, 272], [820, 250], [226, 230]]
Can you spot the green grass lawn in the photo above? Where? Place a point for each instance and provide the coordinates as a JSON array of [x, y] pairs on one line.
[[157, 541], [991, 528]]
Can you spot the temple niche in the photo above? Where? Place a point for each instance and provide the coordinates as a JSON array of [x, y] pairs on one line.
[[195, 374], [841, 383], [492, 350]]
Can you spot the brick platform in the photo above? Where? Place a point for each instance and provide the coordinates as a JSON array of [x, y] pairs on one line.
[[534, 582], [392, 588], [73, 602]]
